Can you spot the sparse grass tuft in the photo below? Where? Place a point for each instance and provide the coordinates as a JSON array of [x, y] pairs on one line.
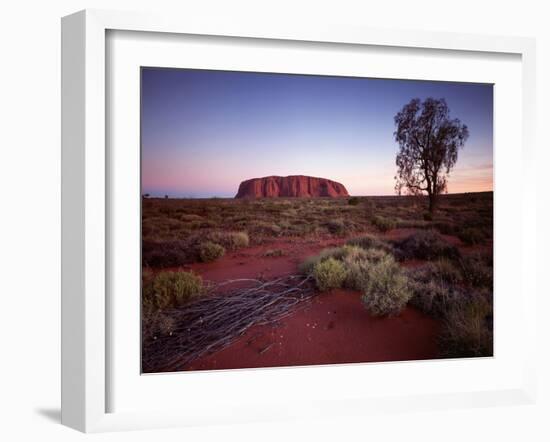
[[210, 251], [431, 296], [169, 289], [229, 240], [370, 242], [467, 329], [477, 270], [465, 312], [383, 224], [445, 270]]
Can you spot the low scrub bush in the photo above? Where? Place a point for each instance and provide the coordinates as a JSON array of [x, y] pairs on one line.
[[308, 265], [336, 226], [266, 228], [428, 245], [445, 270], [466, 313], [238, 240], [386, 291], [431, 296], [382, 223], [155, 323], [162, 254], [434, 287], [329, 274], [229, 240], [357, 262], [371, 271], [370, 242], [477, 270], [467, 329], [210, 251], [169, 289], [472, 235], [354, 201]]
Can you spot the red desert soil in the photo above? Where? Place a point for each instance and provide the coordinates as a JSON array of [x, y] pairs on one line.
[[252, 262], [332, 328]]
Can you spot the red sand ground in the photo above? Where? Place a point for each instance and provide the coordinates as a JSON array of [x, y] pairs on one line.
[[332, 328]]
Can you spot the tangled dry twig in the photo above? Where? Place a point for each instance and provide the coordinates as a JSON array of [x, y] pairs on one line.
[[216, 320]]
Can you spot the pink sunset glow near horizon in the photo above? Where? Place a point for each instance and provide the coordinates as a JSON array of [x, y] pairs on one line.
[[204, 132]]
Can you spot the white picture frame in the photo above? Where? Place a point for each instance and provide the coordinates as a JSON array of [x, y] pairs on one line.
[[85, 210]]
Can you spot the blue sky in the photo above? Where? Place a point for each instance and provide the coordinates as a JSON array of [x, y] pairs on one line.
[[203, 132]]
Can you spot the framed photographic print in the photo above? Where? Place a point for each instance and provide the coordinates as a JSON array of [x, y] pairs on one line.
[[250, 213]]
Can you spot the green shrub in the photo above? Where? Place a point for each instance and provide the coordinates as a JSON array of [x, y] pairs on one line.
[[329, 274], [382, 223], [386, 291], [356, 263], [426, 244], [210, 251], [467, 329], [354, 201], [309, 263], [169, 289], [428, 216]]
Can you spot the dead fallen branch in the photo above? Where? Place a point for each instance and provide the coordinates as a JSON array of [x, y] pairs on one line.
[[174, 338]]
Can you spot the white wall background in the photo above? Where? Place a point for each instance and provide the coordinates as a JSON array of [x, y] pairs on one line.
[[30, 216]]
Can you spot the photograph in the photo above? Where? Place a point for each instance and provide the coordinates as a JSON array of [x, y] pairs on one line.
[[292, 220]]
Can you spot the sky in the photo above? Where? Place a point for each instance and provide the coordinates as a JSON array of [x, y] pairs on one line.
[[203, 132]]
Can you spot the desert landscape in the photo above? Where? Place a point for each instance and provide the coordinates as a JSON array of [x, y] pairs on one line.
[[215, 248], [295, 220]]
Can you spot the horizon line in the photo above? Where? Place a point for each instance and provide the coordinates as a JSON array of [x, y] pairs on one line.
[[167, 196]]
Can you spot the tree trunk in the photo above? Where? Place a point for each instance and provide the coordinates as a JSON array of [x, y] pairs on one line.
[[431, 199]]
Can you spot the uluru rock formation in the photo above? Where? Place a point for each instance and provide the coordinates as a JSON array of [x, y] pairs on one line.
[[290, 186]]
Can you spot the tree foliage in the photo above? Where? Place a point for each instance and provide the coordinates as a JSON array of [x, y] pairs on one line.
[[429, 141]]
